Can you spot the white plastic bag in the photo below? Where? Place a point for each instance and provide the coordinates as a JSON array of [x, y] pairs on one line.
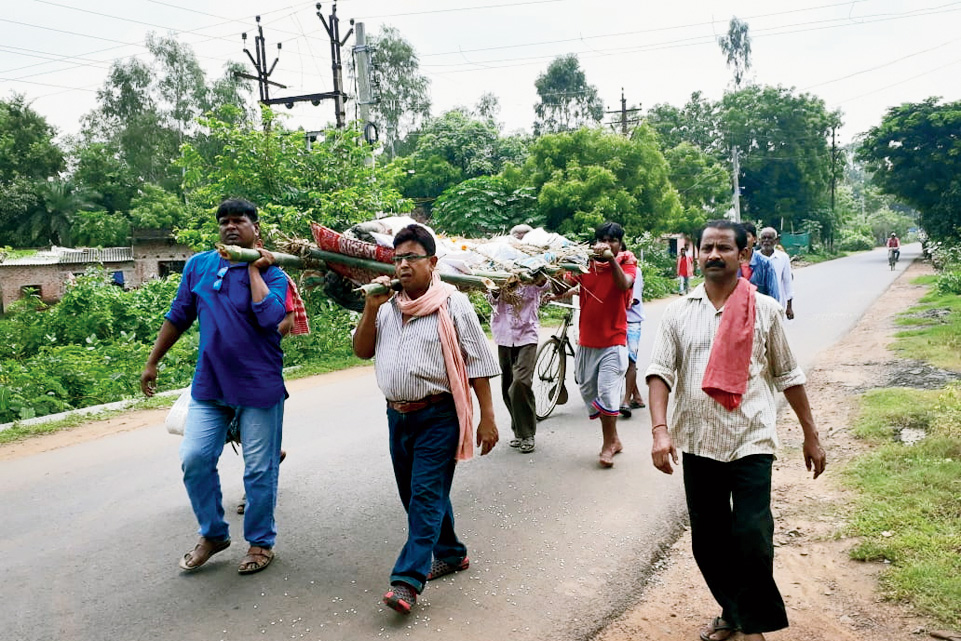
[[177, 417]]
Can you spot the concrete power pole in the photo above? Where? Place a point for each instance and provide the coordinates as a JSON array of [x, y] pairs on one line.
[[364, 95], [623, 111], [737, 187]]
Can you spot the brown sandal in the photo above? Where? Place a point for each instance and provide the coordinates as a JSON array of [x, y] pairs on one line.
[[202, 552], [256, 560], [717, 626]]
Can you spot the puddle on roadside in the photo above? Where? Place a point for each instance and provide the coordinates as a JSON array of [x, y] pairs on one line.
[[911, 435]]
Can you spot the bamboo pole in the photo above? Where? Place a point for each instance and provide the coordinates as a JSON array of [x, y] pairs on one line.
[[240, 254]]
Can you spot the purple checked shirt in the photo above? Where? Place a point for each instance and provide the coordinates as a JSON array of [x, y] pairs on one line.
[[513, 327]]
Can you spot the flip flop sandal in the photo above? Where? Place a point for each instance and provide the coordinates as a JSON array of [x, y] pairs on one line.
[[256, 560], [637, 405], [442, 568], [717, 625], [206, 548]]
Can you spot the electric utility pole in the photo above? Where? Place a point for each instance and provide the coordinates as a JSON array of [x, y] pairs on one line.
[[364, 95], [624, 111], [737, 187], [263, 73]]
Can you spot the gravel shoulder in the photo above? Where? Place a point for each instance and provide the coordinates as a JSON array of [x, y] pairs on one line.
[[829, 597]]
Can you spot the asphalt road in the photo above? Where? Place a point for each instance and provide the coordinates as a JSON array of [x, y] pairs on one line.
[[91, 533]]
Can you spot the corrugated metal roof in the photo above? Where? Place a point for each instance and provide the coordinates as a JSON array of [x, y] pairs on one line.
[[66, 256]]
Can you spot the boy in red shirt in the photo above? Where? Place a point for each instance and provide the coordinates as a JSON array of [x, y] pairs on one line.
[[601, 360]]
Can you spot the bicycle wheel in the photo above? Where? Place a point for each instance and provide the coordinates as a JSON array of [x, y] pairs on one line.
[[550, 368]]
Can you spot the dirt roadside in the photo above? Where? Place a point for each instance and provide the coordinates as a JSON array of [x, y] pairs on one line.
[[829, 597]]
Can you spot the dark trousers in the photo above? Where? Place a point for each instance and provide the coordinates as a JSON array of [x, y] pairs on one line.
[[732, 532], [422, 449], [517, 376]]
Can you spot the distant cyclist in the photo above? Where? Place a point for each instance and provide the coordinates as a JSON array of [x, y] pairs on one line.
[[894, 246]]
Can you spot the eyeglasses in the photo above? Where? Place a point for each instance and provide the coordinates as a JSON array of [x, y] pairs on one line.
[[410, 258], [220, 278]]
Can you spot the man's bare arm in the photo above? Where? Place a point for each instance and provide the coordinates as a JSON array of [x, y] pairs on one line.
[[814, 456]]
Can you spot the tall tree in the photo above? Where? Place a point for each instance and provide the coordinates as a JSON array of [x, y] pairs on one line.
[[28, 157], [786, 163], [181, 83], [695, 123], [588, 176], [736, 45], [702, 184], [915, 155], [567, 101], [402, 93]]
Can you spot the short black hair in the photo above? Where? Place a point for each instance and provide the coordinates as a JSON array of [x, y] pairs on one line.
[[749, 228], [237, 207], [418, 234], [610, 230], [740, 234]]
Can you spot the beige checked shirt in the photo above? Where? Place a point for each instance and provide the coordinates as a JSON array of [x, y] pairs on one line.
[[408, 359], [699, 424]]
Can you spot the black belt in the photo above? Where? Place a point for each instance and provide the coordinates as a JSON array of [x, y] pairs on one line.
[[406, 407]]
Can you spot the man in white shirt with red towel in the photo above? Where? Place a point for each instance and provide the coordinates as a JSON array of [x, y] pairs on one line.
[[724, 353]]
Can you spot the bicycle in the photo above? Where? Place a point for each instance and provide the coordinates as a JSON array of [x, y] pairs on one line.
[[550, 367], [894, 255]]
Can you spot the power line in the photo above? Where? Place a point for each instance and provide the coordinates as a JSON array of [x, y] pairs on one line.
[[881, 66], [701, 40], [634, 33], [457, 9]]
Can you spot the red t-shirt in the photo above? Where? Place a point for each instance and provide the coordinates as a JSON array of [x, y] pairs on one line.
[[603, 304]]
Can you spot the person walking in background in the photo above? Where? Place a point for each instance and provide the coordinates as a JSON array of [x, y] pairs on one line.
[[782, 269], [724, 353], [757, 268], [430, 349], [635, 316], [516, 330], [685, 269], [238, 376], [601, 360]]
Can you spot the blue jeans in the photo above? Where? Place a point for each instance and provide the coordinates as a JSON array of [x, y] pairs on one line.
[[204, 434], [422, 448]]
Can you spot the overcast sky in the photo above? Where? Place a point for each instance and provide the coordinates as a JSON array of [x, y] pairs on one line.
[[861, 57]]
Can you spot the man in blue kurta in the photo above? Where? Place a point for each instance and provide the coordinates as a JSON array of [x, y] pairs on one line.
[[238, 375]]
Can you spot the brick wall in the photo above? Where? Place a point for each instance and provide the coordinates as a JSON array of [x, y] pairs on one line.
[[50, 279], [149, 255]]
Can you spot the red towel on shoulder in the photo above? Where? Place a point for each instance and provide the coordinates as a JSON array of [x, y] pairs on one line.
[[729, 366]]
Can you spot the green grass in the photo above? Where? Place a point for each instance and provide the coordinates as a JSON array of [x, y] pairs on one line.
[[908, 510], [885, 412], [909, 514], [937, 341], [819, 257]]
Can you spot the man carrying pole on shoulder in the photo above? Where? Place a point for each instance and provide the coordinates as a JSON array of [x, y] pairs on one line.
[[430, 349], [601, 360], [239, 377]]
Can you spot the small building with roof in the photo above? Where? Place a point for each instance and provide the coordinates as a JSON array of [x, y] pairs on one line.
[[152, 254]]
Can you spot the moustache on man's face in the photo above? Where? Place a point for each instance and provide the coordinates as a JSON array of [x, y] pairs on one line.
[[715, 263]]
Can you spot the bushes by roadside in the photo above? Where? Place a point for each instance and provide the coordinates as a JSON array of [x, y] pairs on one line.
[[91, 347]]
